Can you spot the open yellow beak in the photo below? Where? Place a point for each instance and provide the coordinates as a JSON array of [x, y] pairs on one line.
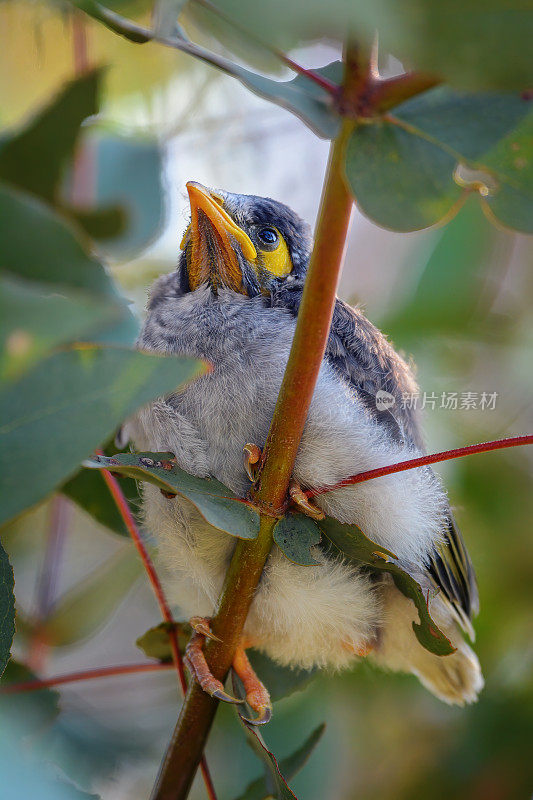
[[214, 235]]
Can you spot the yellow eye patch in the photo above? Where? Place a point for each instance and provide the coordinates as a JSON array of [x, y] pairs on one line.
[[277, 262]]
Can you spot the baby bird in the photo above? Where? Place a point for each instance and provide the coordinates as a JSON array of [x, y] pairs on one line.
[[233, 301]]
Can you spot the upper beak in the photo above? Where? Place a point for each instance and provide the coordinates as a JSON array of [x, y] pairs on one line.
[[214, 236]]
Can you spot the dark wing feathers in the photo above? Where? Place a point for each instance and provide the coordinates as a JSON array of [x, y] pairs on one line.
[[367, 362]]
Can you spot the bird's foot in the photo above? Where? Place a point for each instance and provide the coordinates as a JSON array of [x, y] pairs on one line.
[[300, 499], [252, 463], [252, 460], [257, 695], [197, 665]]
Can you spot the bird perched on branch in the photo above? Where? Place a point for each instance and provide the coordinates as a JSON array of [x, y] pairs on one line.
[[233, 301]]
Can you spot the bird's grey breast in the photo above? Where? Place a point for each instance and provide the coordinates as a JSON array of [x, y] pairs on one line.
[[247, 346]]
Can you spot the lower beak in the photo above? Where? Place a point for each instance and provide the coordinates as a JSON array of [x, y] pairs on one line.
[[214, 237]]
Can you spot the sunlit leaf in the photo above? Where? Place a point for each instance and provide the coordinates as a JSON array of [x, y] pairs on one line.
[[290, 766], [295, 534], [81, 611], [351, 542], [7, 608], [65, 406], [217, 504]]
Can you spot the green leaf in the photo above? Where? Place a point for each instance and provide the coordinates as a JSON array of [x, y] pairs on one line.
[[350, 541], [33, 711], [38, 244], [447, 299], [33, 321], [65, 406], [295, 534], [7, 608], [215, 502], [290, 766], [165, 15], [89, 491], [512, 204], [82, 611], [409, 170], [469, 44], [128, 175], [34, 158], [312, 104], [280, 681], [155, 642]]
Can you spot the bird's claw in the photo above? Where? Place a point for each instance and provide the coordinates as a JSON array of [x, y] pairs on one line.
[[263, 717], [201, 625], [252, 458], [257, 695], [197, 665], [221, 694], [300, 499]]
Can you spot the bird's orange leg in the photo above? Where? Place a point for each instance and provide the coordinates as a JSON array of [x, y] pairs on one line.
[[257, 695], [197, 665], [252, 465]]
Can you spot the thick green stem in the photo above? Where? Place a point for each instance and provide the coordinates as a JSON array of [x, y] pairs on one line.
[[310, 339]]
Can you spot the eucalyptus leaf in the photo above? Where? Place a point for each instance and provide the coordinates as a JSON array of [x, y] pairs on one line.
[[469, 44], [275, 785], [409, 170], [311, 103], [350, 541], [34, 320], [34, 158], [82, 611], [295, 534], [128, 176], [90, 492], [65, 406], [280, 681], [448, 298], [155, 642], [215, 502], [7, 608], [37, 243], [290, 766]]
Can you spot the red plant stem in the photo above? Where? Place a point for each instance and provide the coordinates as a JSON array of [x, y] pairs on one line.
[[129, 521], [434, 458], [82, 675]]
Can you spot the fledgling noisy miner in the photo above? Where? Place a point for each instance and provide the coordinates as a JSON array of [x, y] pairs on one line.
[[233, 301]]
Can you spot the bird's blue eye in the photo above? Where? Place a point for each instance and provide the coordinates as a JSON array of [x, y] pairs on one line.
[[268, 236]]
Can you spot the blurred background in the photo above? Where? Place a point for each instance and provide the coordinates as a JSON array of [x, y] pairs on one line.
[[457, 298]]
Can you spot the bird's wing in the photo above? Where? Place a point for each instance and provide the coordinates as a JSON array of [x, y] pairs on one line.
[[451, 571], [367, 362]]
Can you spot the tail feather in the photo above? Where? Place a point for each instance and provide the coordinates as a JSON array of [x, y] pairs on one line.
[[455, 679]]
